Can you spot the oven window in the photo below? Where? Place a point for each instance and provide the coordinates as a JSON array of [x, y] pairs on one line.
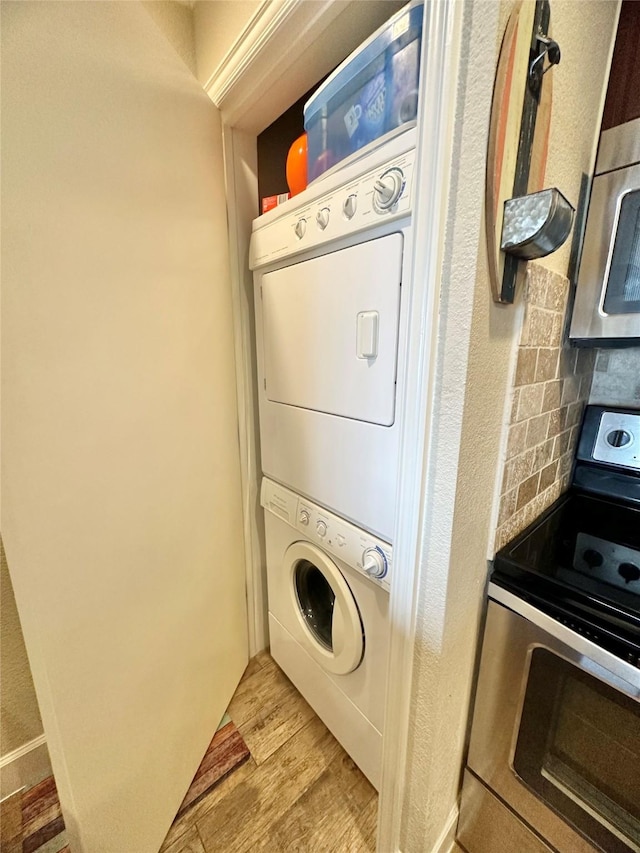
[[623, 285], [578, 748]]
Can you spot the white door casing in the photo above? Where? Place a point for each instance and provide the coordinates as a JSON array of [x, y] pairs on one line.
[[121, 486], [238, 92]]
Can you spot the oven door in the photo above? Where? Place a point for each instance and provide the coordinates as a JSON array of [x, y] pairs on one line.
[[607, 304], [556, 731]]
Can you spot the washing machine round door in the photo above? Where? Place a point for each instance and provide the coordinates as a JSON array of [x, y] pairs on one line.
[[325, 608]]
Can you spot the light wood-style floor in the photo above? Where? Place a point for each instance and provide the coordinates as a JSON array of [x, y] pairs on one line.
[[298, 793]]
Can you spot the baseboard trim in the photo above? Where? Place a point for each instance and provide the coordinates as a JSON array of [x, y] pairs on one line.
[[446, 841], [25, 766]]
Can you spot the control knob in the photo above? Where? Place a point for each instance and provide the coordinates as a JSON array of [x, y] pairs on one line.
[[374, 562], [322, 218], [321, 528], [387, 189], [629, 572], [300, 228], [592, 558], [350, 205], [303, 518], [618, 438]]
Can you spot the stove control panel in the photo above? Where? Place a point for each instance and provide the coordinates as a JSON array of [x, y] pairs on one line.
[[618, 440], [607, 561], [357, 548]]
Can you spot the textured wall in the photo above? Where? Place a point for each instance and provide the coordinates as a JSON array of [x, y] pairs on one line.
[[121, 475], [476, 363], [465, 436], [176, 22], [584, 32], [217, 24], [616, 381], [19, 715]]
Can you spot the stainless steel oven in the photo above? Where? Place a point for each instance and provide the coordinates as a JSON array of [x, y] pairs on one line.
[[554, 754], [555, 740], [607, 303]]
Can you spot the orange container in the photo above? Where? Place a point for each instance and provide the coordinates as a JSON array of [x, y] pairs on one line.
[[297, 165]]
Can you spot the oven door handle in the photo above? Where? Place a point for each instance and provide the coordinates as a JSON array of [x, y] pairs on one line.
[[587, 655]]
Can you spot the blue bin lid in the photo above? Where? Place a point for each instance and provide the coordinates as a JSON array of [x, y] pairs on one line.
[[367, 53]]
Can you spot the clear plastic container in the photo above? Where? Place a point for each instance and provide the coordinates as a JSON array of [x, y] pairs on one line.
[[374, 92]]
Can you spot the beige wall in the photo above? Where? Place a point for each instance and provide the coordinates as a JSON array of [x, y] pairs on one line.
[[582, 29], [175, 20], [19, 715], [217, 24], [476, 361], [122, 512]]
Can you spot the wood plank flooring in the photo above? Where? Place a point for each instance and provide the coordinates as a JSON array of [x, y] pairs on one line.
[[42, 821], [298, 793]]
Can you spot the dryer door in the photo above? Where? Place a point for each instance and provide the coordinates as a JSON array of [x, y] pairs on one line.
[[325, 607], [330, 331]]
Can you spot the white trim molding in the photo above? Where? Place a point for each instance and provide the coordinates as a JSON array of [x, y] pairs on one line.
[[446, 842], [258, 64], [255, 38], [447, 839], [442, 31], [242, 193], [282, 52], [254, 64], [24, 767]]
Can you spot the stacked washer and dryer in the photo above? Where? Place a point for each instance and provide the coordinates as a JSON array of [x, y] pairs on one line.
[[330, 266]]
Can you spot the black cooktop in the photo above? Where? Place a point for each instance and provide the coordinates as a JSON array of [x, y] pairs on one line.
[[580, 560]]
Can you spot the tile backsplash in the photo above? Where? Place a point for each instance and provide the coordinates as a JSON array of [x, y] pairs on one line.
[[616, 380], [551, 386]]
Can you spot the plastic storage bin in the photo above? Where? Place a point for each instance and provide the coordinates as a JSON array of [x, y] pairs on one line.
[[373, 92]]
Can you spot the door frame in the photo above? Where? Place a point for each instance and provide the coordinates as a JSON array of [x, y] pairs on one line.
[[255, 62]]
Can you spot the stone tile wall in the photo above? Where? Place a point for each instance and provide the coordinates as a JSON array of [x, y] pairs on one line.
[[550, 388], [616, 381]]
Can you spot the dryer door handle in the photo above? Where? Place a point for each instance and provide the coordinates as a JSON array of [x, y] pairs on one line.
[[367, 334], [338, 628]]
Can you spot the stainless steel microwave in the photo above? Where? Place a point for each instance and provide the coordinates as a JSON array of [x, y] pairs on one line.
[[607, 303]]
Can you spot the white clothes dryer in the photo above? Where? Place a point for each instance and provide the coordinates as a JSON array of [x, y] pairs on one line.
[[330, 266], [328, 618]]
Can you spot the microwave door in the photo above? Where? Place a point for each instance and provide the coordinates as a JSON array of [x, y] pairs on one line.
[[607, 304], [622, 291]]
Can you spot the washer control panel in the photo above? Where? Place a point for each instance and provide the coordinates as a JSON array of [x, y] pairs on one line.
[[367, 193], [355, 547]]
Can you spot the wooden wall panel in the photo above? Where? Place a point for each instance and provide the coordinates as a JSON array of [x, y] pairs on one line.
[[623, 95]]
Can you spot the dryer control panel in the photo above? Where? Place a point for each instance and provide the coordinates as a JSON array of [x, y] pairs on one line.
[[356, 547], [375, 189]]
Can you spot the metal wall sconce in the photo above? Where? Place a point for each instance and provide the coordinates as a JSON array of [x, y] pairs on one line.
[[535, 225]]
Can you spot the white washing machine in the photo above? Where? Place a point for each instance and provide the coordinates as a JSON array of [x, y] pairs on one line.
[[328, 618], [330, 266]]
